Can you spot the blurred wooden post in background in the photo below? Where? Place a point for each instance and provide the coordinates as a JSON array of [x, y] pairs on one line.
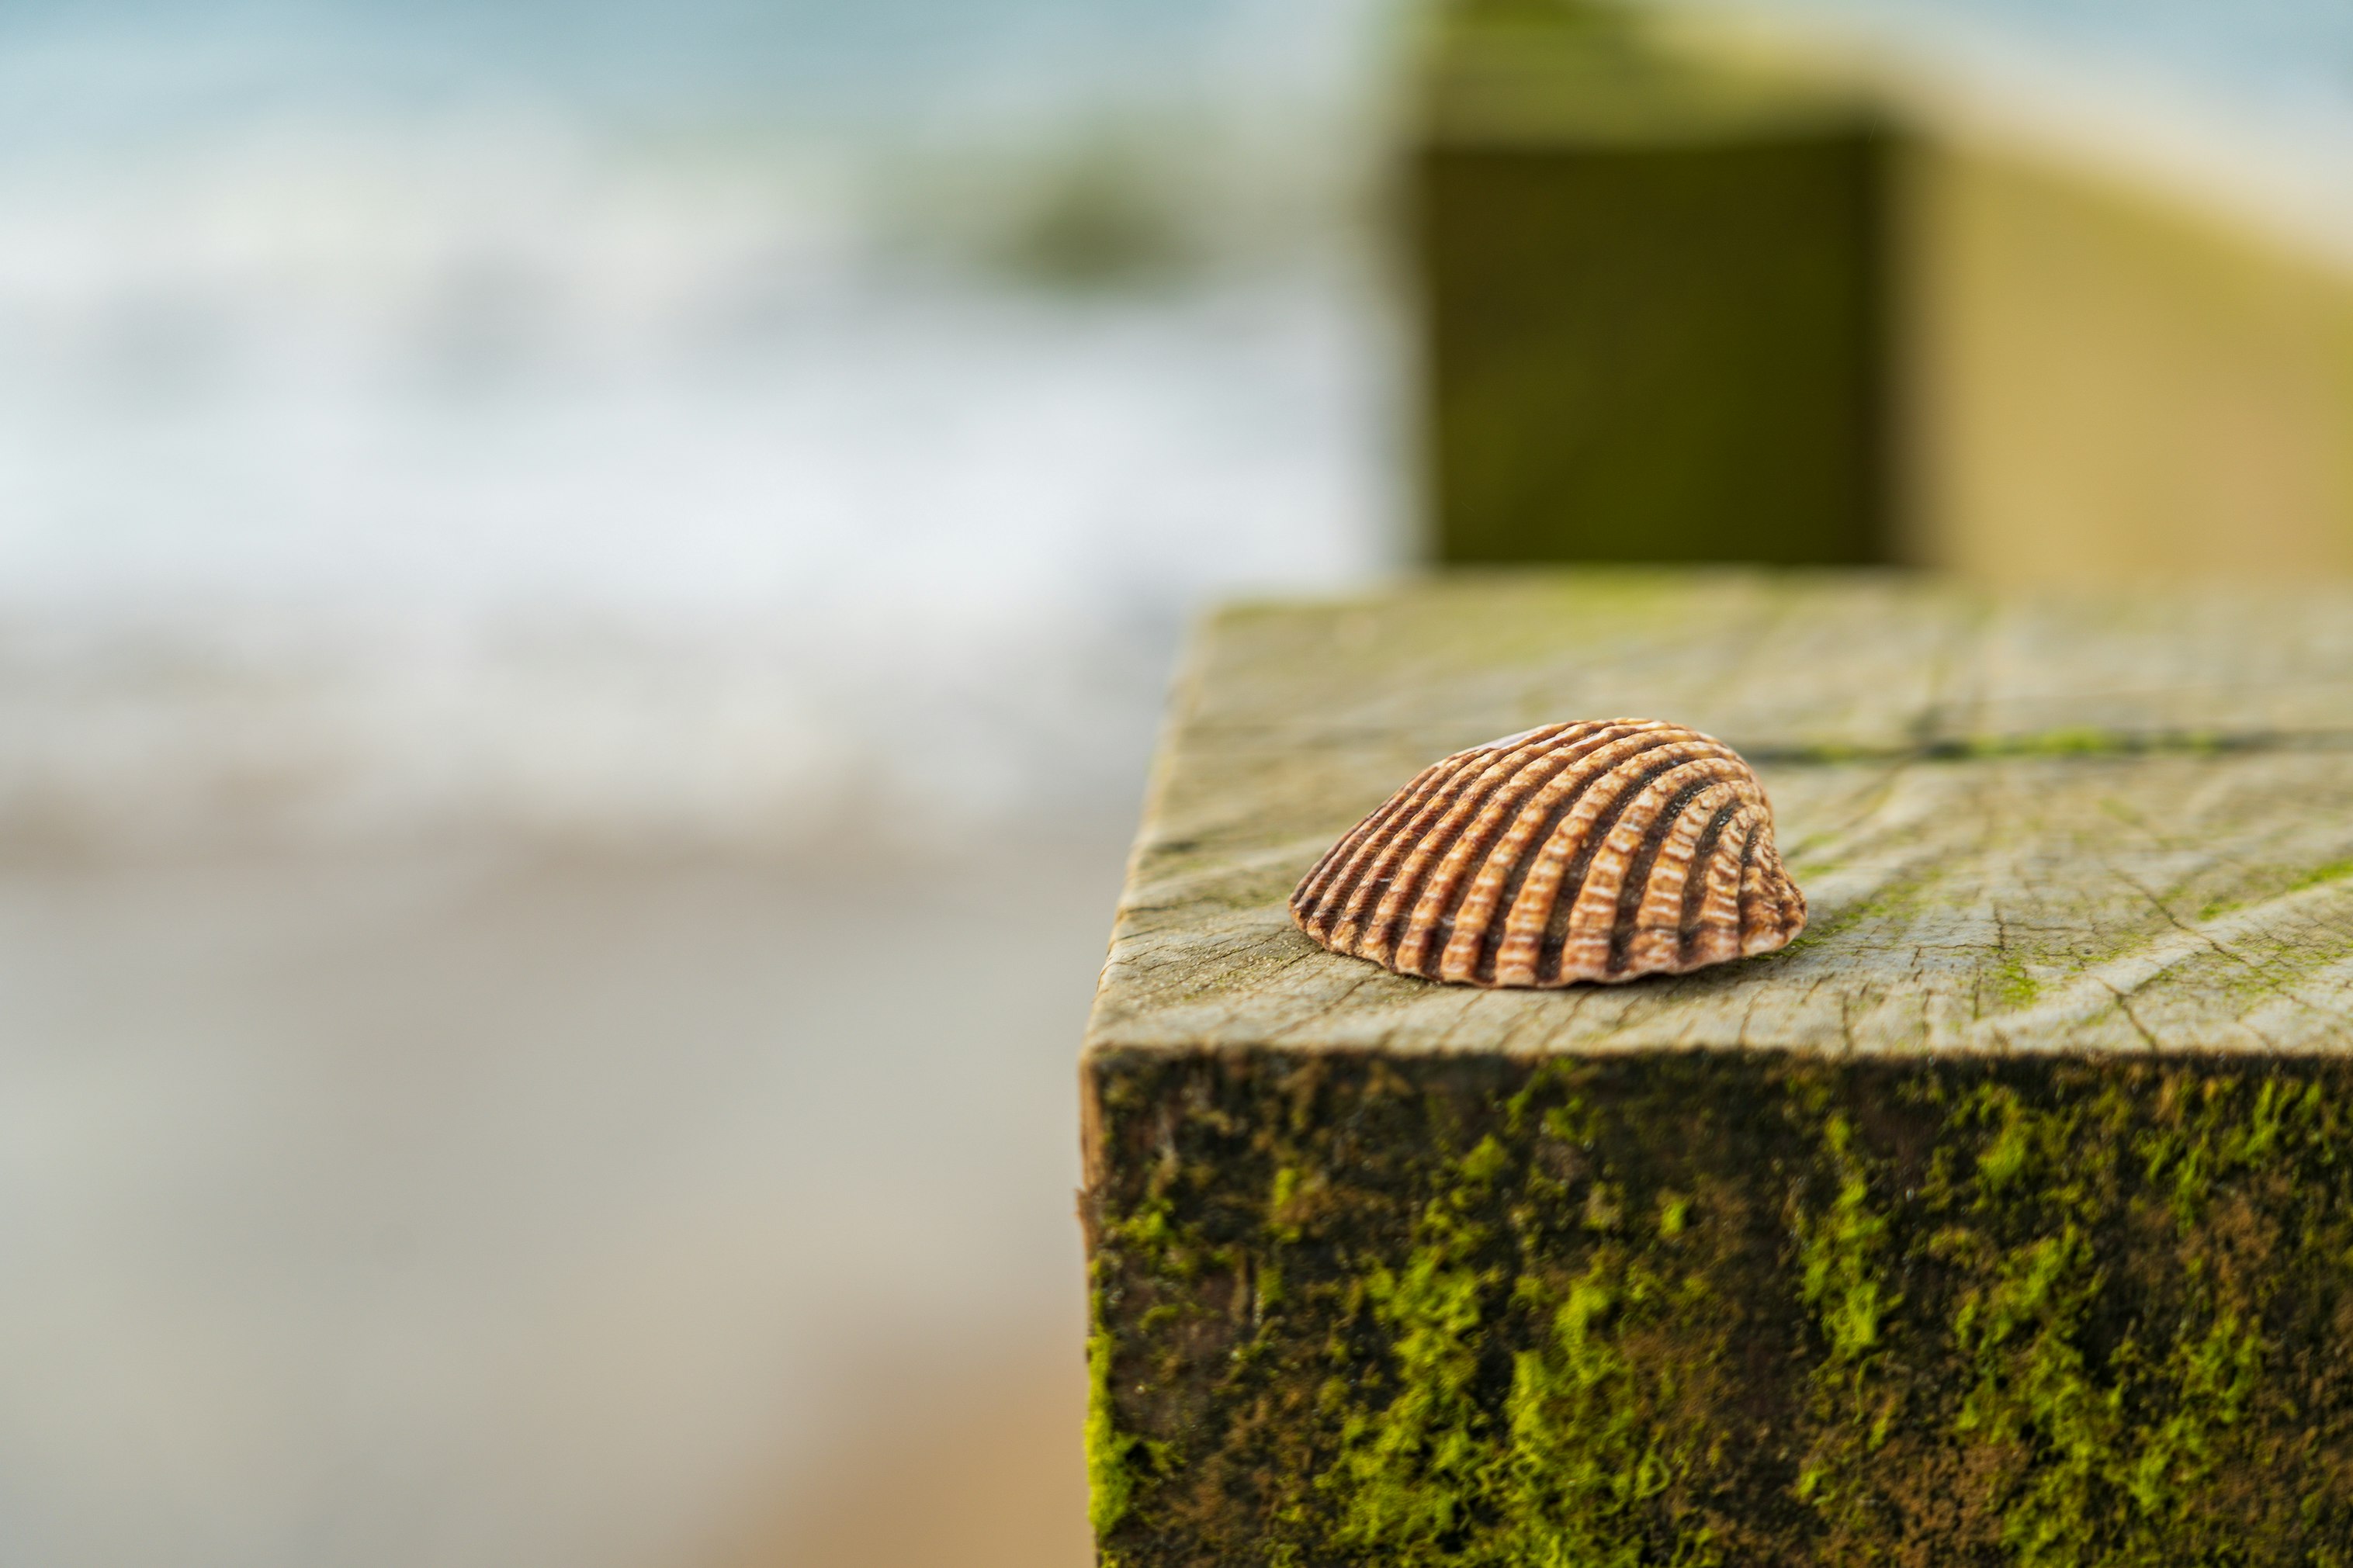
[[1651, 291], [2110, 375], [1711, 293]]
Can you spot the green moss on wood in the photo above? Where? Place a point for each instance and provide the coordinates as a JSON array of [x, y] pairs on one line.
[[1461, 1312], [2334, 872], [1111, 1482]]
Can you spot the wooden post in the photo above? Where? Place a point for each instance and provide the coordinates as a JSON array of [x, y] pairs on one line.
[[2109, 380], [1651, 288], [2004, 1218]]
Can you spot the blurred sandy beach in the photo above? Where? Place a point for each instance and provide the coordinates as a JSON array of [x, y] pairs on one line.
[[475, 1208]]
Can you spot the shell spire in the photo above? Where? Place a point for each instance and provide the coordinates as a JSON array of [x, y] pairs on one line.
[[1599, 850]]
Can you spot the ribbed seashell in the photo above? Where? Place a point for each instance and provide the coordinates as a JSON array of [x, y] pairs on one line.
[[1588, 851]]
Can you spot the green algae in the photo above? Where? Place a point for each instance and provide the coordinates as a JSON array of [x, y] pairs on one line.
[[1456, 1313], [2013, 981], [1841, 1280], [2086, 741], [2275, 882], [2334, 872], [2107, 1443], [1900, 896], [1407, 1478], [1570, 1466], [1111, 1483]]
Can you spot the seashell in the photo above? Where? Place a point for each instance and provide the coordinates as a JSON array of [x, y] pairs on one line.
[[1600, 850]]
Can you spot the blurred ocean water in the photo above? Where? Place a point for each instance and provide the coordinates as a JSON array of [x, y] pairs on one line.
[[607, 421], [729, 595]]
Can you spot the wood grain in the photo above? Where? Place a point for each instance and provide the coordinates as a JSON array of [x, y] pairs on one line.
[[2084, 823]]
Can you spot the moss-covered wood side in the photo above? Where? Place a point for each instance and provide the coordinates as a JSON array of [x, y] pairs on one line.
[[1720, 1307]]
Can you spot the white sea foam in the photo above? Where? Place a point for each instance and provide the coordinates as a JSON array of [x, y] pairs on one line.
[[917, 558]]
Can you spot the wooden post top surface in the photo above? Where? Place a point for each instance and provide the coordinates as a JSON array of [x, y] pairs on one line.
[[2086, 824]]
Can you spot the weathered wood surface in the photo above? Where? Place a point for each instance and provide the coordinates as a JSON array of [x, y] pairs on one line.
[[2121, 823]]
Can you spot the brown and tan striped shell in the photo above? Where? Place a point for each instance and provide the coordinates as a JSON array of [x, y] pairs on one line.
[[1589, 851]]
